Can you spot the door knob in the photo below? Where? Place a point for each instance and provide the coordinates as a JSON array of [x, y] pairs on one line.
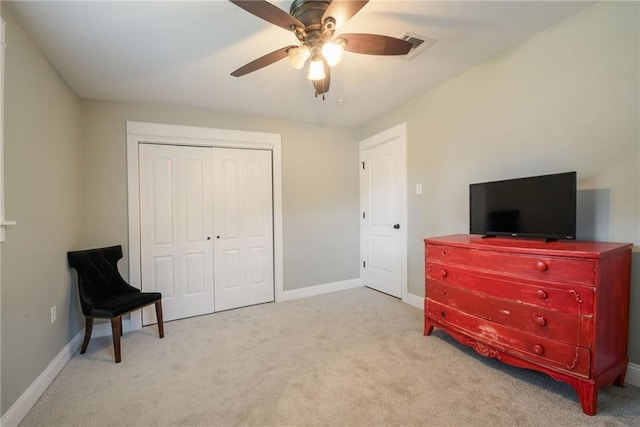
[[396, 226]]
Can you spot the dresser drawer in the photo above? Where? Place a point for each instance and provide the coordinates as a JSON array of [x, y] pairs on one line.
[[537, 320], [563, 270], [536, 348], [559, 297]]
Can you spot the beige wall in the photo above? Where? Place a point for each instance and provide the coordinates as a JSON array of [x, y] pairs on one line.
[[42, 193], [319, 174], [567, 99], [66, 187], [45, 126]]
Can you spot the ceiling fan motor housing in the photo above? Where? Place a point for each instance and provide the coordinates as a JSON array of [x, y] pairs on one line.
[[309, 12]]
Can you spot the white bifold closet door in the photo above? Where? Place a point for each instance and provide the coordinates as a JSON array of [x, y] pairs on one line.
[[176, 219], [243, 223], [184, 193]]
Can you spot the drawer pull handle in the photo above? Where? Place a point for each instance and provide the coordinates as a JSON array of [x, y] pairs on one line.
[[541, 294], [541, 266], [443, 314], [538, 349], [444, 252], [540, 321], [443, 273]]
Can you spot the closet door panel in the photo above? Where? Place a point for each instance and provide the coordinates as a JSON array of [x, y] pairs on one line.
[[176, 225], [243, 221]]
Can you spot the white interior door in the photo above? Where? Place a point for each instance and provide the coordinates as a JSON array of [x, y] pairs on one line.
[[243, 221], [383, 193], [176, 229]]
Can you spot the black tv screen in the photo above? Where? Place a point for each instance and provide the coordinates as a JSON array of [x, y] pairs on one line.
[[539, 206]]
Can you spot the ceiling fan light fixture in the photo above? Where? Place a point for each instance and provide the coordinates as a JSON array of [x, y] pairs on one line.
[[333, 51], [298, 56], [316, 69], [313, 23]]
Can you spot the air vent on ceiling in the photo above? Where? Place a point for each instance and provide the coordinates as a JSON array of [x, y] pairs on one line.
[[420, 44]]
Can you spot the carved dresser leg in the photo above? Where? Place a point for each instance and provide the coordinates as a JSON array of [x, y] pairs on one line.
[[588, 394], [428, 327]]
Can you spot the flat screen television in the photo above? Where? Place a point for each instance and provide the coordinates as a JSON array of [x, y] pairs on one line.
[[538, 207]]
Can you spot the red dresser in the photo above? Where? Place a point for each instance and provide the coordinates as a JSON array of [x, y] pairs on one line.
[[560, 307]]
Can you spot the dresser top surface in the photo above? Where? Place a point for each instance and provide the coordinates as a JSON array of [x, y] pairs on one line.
[[574, 248]]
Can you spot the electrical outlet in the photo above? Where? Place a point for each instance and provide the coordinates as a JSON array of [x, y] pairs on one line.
[[53, 314]]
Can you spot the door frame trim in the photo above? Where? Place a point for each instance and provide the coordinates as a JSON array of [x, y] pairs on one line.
[[157, 133], [397, 132]]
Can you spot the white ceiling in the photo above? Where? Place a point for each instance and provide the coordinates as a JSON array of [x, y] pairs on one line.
[[182, 53]]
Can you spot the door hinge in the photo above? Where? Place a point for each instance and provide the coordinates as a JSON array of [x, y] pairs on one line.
[[364, 264], [362, 165]]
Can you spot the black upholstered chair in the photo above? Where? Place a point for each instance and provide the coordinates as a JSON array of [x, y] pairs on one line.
[[104, 294]]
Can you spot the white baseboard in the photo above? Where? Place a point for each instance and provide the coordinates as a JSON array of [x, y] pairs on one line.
[[326, 288], [25, 402], [633, 375], [414, 300]]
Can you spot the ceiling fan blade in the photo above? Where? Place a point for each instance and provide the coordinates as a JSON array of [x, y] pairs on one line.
[[262, 62], [343, 10], [270, 13], [375, 44], [322, 86]]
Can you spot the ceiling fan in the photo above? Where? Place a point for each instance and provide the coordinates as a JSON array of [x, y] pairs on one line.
[[314, 23]]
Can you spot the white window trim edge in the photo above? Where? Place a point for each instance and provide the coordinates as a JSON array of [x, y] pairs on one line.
[[140, 132], [3, 223]]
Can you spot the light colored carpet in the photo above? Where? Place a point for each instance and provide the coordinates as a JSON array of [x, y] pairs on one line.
[[354, 358]]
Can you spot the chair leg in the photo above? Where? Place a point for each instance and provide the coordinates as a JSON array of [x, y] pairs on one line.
[[121, 329], [88, 328], [159, 318], [116, 331]]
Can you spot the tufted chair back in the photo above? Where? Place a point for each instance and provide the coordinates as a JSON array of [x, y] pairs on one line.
[[98, 276]]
